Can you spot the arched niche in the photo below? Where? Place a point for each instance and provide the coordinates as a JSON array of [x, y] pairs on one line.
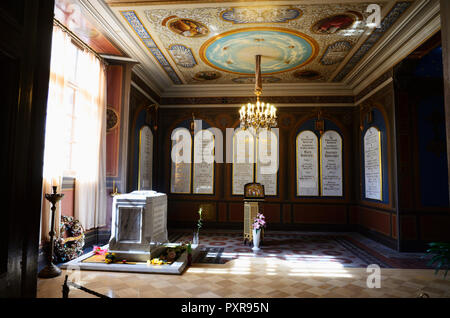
[[181, 161], [203, 172], [331, 164], [145, 170], [307, 162]]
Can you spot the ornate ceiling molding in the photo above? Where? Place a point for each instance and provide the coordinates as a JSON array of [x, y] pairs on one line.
[[147, 69], [274, 89], [416, 24], [421, 21]]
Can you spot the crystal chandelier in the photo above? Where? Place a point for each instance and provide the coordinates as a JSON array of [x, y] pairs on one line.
[[259, 115]]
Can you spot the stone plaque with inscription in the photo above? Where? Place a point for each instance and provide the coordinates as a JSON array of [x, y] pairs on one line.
[[331, 163], [243, 161], [372, 164], [203, 180], [145, 159], [267, 161], [307, 164]]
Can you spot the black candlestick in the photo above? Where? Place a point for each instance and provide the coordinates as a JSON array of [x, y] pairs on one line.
[[51, 270]]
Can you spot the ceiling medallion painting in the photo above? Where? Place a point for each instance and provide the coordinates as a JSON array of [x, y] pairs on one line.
[[185, 27], [199, 43], [206, 76], [282, 50], [335, 52], [308, 75], [336, 23], [182, 55], [260, 15]]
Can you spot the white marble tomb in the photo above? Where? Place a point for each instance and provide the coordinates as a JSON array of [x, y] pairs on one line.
[[138, 219]]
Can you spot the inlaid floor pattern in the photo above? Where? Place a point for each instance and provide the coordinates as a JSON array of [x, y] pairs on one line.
[[255, 278], [297, 265]]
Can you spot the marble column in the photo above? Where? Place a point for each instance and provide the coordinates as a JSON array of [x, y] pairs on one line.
[[445, 35]]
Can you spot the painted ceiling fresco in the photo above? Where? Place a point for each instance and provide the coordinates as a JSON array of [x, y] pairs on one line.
[[71, 15], [217, 44]]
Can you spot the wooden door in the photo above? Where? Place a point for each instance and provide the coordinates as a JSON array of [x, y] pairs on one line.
[[25, 45]]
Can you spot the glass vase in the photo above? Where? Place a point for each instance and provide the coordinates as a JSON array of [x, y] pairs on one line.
[[195, 239]]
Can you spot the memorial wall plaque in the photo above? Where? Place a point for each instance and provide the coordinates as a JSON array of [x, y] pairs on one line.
[[145, 158], [307, 164], [181, 166], [243, 160], [267, 161], [331, 163], [203, 180], [372, 164]]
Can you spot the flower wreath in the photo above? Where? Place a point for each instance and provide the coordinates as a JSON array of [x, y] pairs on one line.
[[70, 243]]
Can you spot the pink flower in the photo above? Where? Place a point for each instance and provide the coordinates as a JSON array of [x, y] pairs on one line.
[[99, 251], [259, 221]]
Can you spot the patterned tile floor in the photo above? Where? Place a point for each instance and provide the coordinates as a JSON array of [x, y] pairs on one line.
[[253, 277], [268, 274], [347, 249]]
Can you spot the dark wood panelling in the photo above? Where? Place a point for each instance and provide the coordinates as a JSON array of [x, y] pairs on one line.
[[311, 214], [25, 46], [418, 222], [139, 82], [287, 213], [394, 226], [139, 107], [183, 211], [278, 209], [236, 212], [408, 227], [9, 91], [222, 211], [375, 220], [353, 215], [272, 212], [435, 227]]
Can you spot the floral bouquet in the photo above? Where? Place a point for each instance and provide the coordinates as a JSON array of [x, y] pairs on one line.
[[169, 255], [199, 222], [259, 222], [110, 258], [99, 251]]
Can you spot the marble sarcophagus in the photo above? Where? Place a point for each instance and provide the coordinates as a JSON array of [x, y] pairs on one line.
[[139, 218]]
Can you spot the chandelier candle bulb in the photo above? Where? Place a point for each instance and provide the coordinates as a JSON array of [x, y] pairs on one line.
[[264, 114]]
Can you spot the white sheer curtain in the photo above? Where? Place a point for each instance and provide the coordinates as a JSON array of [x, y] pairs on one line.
[[55, 153], [87, 151]]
